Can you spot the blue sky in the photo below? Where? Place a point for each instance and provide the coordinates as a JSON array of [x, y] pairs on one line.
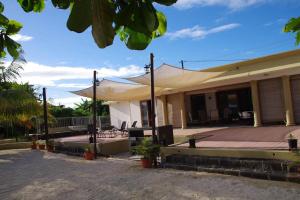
[[63, 61]]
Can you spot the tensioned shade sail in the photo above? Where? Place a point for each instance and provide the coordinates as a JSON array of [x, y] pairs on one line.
[[116, 91], [167, 76]]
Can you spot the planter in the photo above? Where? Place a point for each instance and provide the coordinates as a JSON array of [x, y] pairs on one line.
[[41, 146], [293, 144], [50, 148], [192, 143], [88, 155], [146, 163]]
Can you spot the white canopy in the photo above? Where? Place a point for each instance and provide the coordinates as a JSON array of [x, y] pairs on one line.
[[167, 76], [116, 91]]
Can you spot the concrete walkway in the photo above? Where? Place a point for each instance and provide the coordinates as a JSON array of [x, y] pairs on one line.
[[27, 174]]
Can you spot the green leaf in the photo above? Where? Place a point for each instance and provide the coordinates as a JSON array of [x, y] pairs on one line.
[[81, 16], [13, 27], [102, 25], [143, 18], [62, 4], [162, 27], [136, 40], [166, 2], [39, 5], [2, 51], [1, 7], [27, 5], [149, 16], [3, 20], [13, 48], [298, 38], [293, 25]]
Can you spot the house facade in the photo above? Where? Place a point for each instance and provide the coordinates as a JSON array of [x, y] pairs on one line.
[[261, 91]]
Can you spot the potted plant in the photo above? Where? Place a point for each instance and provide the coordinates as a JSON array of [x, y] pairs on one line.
[[148, 150], [41, 145], [293, 142], [50, 146], [88, 155], [33, 145]]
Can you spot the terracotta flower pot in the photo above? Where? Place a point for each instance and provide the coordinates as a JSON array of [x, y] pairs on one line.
[[88, 155], [146, 163], [33, 146], [50, 148], [41, 146]]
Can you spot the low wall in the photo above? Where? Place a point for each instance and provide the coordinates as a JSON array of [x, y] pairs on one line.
[[106, 148], [113, 147], [16, 145], [232, 153]]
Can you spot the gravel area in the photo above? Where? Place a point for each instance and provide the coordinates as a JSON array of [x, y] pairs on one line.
[[27, 174]]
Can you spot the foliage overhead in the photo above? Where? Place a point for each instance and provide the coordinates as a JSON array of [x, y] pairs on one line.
[[293, 26], [7, 29], [136, 22]]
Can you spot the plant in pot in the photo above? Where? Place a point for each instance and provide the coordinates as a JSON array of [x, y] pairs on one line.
[[41, 145], [50, 146], [293, 142], [148, 150], [88, 154], [33, 145]]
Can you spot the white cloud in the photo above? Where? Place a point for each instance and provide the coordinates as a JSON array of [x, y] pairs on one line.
[[72, 85], [45, 75], [21, 38], [68, 101], [198, 32], [231, 4]]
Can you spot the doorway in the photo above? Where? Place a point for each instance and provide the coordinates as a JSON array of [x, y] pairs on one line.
[[235, 106], [198, 114]]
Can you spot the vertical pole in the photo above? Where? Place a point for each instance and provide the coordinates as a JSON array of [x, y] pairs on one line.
[[45, 114], [152, 98], [154, 138], [182, 65], [94, 115]]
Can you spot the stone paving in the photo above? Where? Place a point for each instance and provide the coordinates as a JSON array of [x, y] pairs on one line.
[[27, 174]]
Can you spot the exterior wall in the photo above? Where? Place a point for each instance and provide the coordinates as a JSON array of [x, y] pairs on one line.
[[174, 112], [125, 111]]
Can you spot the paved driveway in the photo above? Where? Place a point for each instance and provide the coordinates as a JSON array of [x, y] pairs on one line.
[[26, 174]]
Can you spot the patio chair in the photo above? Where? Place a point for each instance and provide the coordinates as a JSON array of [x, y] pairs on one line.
[[122, 129], [134, 124]]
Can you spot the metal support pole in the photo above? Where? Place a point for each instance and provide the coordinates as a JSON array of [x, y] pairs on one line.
[[152, 99], [94, 114], [154, 137], [45, 114], [182, 64]]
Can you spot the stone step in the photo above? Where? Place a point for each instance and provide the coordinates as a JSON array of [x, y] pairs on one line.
[[264, 165], [291, 177]]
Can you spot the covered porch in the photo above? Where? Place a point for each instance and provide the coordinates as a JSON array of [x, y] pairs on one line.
[[236, 137]]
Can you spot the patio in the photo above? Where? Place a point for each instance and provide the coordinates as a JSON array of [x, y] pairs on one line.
[[245, 137]]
